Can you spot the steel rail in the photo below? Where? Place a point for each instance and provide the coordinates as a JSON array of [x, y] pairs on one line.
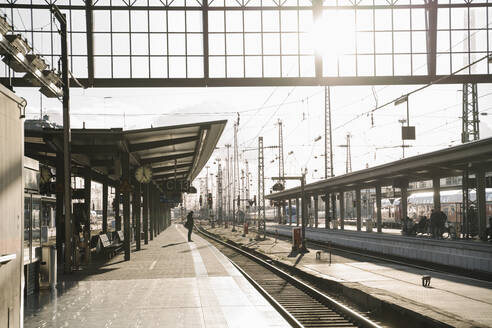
[[339, 307]]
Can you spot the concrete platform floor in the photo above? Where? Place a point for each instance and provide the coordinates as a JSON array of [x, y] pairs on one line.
[[454, 300], [168, 283]]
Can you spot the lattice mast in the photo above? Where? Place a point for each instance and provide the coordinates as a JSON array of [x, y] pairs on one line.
[[261, 189], [247, 180], [470, 122], [280, 153], [228, 182], [328, 139], [219, 191], [235, 183]]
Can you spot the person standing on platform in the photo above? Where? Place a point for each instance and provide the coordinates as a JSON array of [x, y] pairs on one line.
[[189, 225]]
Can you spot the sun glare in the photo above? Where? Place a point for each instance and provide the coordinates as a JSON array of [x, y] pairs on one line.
[[333, 35]]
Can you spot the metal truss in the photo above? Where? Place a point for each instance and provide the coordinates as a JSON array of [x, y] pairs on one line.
[[186, 43]]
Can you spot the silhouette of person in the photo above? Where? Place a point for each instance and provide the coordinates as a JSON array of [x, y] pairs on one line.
[[189, 224]]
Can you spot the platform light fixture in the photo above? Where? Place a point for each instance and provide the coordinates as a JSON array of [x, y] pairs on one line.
[[318, 138], [54, 81], [20, 44], [4, 26], [489, 59]]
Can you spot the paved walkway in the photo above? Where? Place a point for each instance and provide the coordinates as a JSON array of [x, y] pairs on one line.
[[169, 283], [457, 301]]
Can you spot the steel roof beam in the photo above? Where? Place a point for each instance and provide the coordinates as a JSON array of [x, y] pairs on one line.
[[166, 158], [161, 143]]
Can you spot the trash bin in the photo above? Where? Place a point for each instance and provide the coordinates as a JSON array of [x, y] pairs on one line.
[[47, 267], [296, 238]]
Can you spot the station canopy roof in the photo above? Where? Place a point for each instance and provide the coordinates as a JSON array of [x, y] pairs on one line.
[[449, 162], [176, 152]]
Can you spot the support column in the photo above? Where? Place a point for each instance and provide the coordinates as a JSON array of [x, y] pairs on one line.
[[327, 211], [298, 212], [342, 209], [316, 211], [404, 202], [358, 209], [117, 216], [436, 186], [137, 209], [481, 206], [290, 211], [125, 188], [379, 223], [146, 213], [151, 211], [87, 205], [105, 208], [334, 208], [60, 219]]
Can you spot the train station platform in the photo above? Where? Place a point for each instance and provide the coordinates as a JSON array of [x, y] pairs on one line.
[[462, 254], [168, 283], [451, 300]]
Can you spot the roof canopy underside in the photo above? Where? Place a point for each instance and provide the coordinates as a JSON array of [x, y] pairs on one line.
[[174, 152], [447, 162]]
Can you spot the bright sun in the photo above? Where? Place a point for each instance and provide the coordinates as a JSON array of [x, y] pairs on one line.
[[332, 35]]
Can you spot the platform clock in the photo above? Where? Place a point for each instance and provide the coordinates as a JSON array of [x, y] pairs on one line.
[[143, 174]]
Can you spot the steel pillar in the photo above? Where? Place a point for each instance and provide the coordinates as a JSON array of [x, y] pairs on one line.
[[358, 209], [316, 211], [87, 205], [333, 207], [151, 211], [298, 211], [481, 203], [117, 216], [60, 223], [105, 207], [125, 188], [404, 201], [341, 195], [327, 211], [136, 208], [67, 139], [379, 219], [290, 211], [436, 186], [146, 213]]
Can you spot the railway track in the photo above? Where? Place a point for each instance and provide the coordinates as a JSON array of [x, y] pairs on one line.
[[300, 304]]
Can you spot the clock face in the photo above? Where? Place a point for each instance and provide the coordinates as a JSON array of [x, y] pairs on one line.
[[143, 174]]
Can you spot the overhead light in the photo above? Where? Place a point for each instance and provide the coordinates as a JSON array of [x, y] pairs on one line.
[[401, 100], [38, 62], [290, 152], [489, 59], [54, 84], [4, 26], [19, 43], [317, 138]]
